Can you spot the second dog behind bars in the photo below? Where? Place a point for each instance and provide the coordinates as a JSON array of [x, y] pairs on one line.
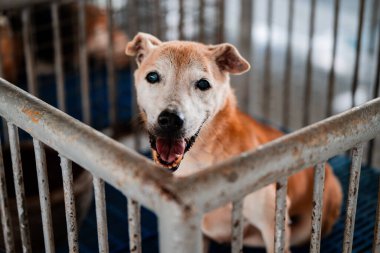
[[191, 115]]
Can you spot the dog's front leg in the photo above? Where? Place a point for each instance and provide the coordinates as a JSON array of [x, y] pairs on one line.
[[259, 210]]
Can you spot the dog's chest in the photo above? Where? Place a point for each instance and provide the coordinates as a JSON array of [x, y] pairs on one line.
[[195, 161]]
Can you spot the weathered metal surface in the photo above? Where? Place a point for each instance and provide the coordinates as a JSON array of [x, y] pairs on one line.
[[43, 187], [58, 66], [101, 215], [237, 177], [83, 63], [71, 216], [28, 51], [376, 238], [280, 216], [6, 220], [134, 226], [316, 215], [353, 191], [19, 188], [237, 225]]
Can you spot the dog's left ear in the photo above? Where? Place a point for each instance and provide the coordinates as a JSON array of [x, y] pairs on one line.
[[140, 46], [229, 59]]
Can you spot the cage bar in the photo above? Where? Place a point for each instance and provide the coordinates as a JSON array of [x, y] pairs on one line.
[[134, 226], [288, 66], [157, 18], [111, 67], [267, 90], [43, 187], [220, 21], [309, 66], [353, 190], [83, 63], [355, 78], [316, 215], [376, 238], [71, 220], [280, 217], [237, 226], [331, 80], [19, 188], [6, 220], [181, 23], [101, 214], [201, 21], [28, 50], [58, 65]]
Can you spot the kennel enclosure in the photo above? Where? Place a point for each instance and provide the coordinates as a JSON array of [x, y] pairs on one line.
[[178, 202]]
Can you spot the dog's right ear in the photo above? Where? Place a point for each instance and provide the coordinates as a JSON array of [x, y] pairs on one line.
[[141, 45]]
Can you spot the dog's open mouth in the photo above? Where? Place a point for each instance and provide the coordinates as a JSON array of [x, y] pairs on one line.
[[169, 152]]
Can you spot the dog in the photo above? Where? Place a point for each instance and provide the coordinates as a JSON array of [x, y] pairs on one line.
[[191, 114]]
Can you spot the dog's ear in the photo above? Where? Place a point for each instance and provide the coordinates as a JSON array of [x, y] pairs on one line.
[[140, 46], [229, 59]]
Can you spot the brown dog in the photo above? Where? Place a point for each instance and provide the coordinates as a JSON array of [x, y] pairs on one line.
[[188, 106]]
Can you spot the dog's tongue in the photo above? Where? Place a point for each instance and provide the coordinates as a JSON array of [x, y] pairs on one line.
[[170, 150]]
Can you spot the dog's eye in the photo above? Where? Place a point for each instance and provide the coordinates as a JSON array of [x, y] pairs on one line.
[[203, 85], [152, 77]]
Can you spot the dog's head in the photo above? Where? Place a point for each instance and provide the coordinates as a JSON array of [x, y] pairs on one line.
[[180, 87]]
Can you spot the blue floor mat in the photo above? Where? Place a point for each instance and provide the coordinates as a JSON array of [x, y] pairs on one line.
[[118, 226]]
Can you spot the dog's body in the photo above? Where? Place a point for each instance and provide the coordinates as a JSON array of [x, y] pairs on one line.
[[188, 106]]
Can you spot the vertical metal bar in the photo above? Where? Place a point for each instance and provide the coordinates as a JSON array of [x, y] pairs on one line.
[[331, 81], [28, 50], [134, 226], [375, 93], [245, 45], [376, 239], [83, 63], [6, 220], [202, 6], [288, 66], [268, 58], [279, 239], [43, 187], [157, 17], [237, 227], [181, 23], [309, 67], [19, 188], [316, 215], [5, 129], [353, 190], [355, 78], [71, 216], [372, 27], [58, 63], [1, 58], [221, 10], [101, 214], [111, 67]]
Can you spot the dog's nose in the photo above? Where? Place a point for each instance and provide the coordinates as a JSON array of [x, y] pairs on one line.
[[170, 120]]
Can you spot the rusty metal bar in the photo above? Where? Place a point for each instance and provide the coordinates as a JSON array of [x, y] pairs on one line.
[[71, 216], [309, 66], [252, 170], [331, 80], [353, 191], [6, 220], [237, 226], [288, 66], [316, 215], [181, 23], [83, 64], [267, 90], [28, 50], [201, 25], [43, 187], [58, 62], [19, 188], [111, 67], [376, 233], [101, 215], [279, 239], [355, 78], [134, 226]]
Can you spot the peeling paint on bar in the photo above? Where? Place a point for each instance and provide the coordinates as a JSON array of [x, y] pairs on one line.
[[280, 217], [134, 226], [237, 226], [101, 215]]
